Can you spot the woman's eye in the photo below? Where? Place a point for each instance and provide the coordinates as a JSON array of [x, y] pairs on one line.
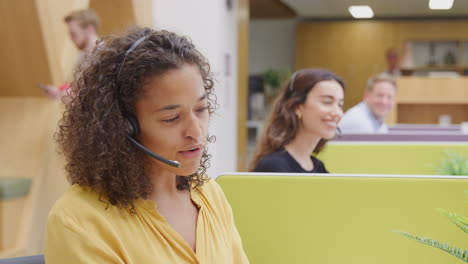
[[171, 119], [202, 109]]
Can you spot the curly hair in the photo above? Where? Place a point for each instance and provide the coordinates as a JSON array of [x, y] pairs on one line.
[[91, 133], [282, 124]]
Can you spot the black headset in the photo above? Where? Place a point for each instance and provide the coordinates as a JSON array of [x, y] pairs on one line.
[[291, 82], [133, 129]]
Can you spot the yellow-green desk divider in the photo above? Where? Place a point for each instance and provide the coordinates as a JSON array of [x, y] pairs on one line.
[[418, 158], [352, 219]]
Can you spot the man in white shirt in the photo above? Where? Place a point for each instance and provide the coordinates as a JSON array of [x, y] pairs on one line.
[[369, 115]]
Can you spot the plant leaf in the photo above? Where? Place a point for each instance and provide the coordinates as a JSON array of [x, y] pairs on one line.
[[457, 252], [453, 163], [460, 221]]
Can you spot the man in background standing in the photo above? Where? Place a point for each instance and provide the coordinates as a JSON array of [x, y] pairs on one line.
[[82, 27], [393, 67], [369, 115]]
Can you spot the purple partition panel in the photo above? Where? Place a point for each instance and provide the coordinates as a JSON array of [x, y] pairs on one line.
[[424, 127]]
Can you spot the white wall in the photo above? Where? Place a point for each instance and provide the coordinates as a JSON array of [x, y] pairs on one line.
[[271, 44], [213, 29]]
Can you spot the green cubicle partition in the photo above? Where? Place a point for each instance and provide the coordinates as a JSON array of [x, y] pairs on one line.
[[350, 219], [418, 158]]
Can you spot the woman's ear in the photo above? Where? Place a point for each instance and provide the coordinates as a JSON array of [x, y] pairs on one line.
[[298, 112]]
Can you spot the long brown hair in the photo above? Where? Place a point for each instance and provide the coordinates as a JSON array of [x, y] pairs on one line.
[[282, 124], [92, 132]]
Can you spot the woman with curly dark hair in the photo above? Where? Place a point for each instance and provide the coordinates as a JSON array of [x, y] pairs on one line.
[[150, 91], [304, 116]]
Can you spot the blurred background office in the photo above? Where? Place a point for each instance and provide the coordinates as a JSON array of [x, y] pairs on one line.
[[423, 45], [253, 46]]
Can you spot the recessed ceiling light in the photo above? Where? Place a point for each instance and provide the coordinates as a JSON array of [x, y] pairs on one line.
[[440, 4], [361, 11]]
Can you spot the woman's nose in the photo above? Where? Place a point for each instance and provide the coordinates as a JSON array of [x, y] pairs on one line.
[[337, 112], [193, 128]]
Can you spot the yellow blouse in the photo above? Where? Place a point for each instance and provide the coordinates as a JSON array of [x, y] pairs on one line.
[[81, 230]]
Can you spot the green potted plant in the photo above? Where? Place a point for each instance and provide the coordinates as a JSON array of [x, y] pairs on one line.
[[453, 163], [273, 79]]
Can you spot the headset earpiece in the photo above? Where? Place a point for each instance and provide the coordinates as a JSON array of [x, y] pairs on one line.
[[133, 125], [292, 80]]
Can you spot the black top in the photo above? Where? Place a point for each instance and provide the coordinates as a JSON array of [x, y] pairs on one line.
[[282, 161]]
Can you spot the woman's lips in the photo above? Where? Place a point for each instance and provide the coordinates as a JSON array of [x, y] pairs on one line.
[[330, 124], [194, 153]]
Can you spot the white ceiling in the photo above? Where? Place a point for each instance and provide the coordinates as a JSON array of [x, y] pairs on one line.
[[382, 8]]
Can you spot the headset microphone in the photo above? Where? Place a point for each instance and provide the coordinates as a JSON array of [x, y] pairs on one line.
[[172, 163], [134, 131]]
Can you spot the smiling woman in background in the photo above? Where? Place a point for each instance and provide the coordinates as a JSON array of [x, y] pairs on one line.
[[303, 118]]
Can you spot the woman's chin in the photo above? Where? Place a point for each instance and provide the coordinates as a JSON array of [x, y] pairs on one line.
[[186, 173], [329, 135], [187, 170]]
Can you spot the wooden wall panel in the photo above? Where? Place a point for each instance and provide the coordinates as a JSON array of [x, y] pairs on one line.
[[355, 50], [11, 213], [117, 16], [242, 81], [143, 12], [429, 113], [23, 60], [418, 90], [36, 47]]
